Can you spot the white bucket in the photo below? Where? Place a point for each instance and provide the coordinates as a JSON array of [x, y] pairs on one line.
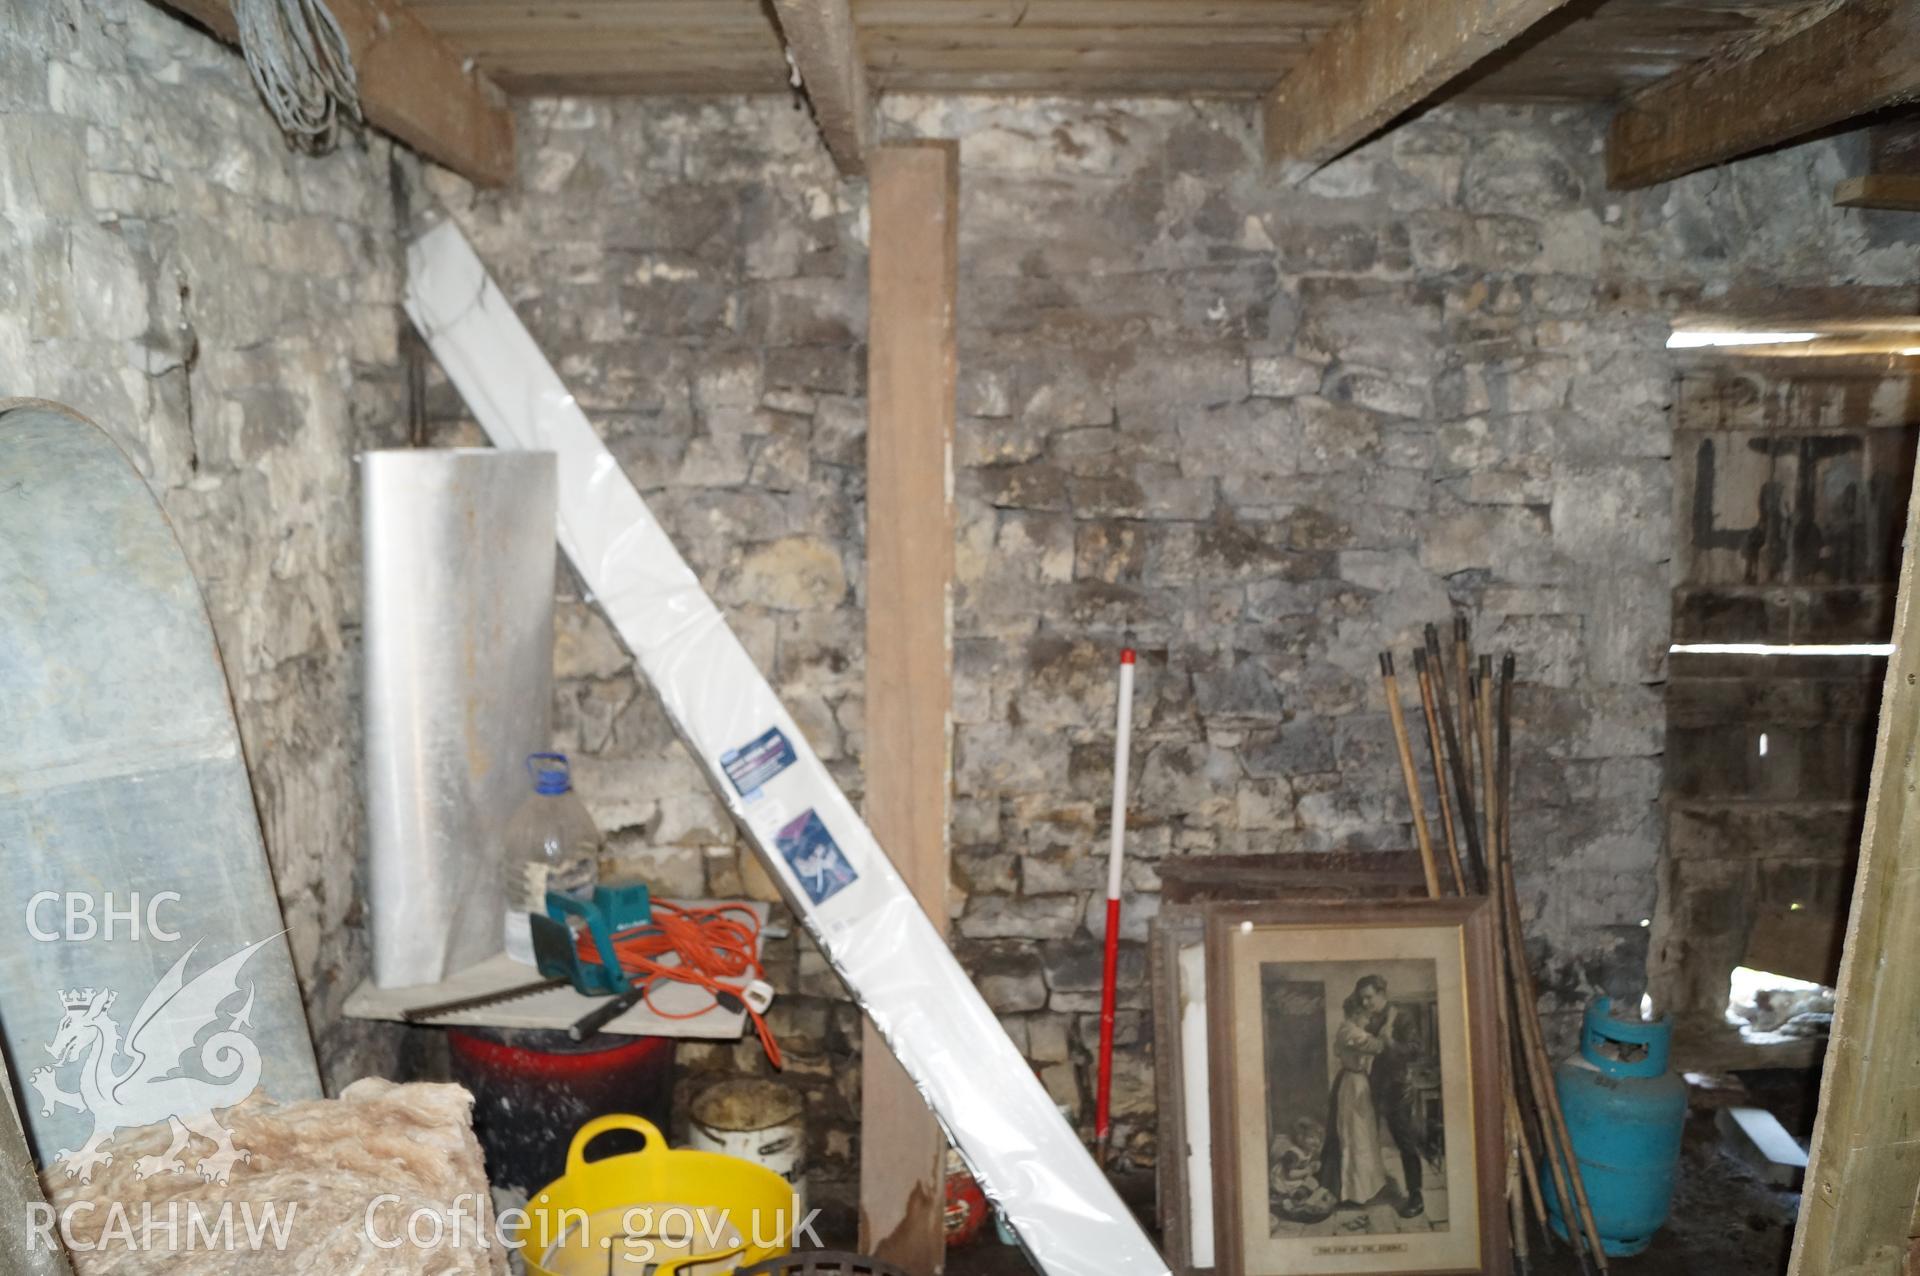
[[757, 1120]]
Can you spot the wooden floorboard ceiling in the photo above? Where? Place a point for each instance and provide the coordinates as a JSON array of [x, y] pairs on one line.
[[1238, 48]]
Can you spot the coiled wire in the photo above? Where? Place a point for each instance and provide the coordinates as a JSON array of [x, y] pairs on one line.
[[300, 63], [715, 947]]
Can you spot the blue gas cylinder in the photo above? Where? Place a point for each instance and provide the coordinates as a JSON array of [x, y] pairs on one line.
[[1626, 1114]]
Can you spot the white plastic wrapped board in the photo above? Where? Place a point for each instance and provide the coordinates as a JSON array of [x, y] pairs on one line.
[[839, 880]]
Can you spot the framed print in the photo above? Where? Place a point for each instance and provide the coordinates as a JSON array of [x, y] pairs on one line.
[[1184, 1166], [1355, 1076]]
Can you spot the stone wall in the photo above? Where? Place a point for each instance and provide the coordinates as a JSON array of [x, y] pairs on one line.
[[1259, 432], [226, 310]]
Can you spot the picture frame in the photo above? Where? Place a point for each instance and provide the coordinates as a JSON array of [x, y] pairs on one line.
[[1355, 1077], [1183, 1170]]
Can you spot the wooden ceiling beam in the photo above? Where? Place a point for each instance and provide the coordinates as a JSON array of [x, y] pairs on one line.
[[1888, 192], [1025, 15], [413, 85], [1836, 62], [826, 53], [1383, 60], [1891, 181]]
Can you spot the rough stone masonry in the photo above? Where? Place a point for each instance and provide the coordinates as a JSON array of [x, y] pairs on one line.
[[1260, 433], [228, 311]]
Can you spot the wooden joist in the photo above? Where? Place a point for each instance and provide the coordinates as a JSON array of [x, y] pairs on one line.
[[1897, 192], [413, 85], [820, 37], [1382, 61], [1891, 181], [912, 377], [1837, 62], [1858, 1209]]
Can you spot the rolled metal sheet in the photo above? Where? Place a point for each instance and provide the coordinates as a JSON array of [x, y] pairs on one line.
[[459, 549]]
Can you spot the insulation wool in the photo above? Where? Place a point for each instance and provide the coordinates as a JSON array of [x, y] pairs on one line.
[[330, 1186]]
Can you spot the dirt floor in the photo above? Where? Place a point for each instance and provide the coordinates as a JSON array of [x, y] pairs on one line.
[[1725, 1222]]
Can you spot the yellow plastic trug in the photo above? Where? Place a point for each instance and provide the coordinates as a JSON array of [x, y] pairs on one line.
[[663, 1211]]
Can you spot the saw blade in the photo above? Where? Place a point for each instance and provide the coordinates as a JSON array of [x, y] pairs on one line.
[[476, 1002]]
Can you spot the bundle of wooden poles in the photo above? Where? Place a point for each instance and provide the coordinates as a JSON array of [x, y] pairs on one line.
[[1469, 728]]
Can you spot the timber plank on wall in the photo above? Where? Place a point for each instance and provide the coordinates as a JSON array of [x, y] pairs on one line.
[[1791, 495], [1790, 499], [1858, 1212], [912, 376]]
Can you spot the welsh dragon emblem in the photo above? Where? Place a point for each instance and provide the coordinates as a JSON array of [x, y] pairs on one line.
[[152, 1086]]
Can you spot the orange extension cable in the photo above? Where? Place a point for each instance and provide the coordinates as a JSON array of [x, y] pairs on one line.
[[715, 948]]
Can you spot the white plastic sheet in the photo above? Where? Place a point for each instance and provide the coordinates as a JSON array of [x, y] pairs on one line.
[[841, 883]]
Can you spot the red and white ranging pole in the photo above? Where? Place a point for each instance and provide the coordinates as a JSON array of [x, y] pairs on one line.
[[1122, 751]]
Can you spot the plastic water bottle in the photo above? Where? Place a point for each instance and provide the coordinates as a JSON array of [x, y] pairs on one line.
[[552, 845]]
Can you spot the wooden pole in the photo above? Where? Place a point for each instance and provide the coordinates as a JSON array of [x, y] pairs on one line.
[[1493, 810], [1424, 673], [1412, 777], [1541, 1084], [1545, 1094], [1478, 764], [1513, 1058], [1532, 1130], [1561, 1157], [1524, 1181], [1463, 796], [1469, 724], [1529, 1168], [1517, 1218]]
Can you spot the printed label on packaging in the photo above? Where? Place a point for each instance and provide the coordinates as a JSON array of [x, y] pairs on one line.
[[816, 860], [752, 765]]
